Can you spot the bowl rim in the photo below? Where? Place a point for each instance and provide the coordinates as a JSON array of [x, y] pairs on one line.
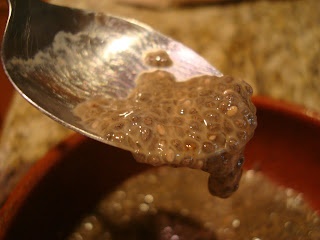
[[23, 188], [21, 191], [287, 109]]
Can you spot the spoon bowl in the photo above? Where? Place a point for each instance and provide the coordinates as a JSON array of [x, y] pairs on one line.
[[57, 57]]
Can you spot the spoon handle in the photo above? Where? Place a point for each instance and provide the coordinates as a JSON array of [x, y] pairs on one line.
[[34, 23], [21, 18], [21, 3]]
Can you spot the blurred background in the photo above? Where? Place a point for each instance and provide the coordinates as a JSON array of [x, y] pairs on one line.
[[273, 45]]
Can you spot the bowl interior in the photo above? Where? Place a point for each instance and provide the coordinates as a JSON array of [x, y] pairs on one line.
[[71, 178]]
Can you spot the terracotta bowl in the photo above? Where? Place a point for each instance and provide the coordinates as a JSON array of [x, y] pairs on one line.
[[6, 88], [73, 176]]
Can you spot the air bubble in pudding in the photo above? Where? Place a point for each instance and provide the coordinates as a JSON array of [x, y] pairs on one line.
[[158, 58], [170, 128]]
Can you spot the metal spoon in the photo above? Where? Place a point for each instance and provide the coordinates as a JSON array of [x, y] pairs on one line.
[[57, 57]]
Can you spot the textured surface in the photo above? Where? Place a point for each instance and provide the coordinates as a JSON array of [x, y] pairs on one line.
[[274, 45]]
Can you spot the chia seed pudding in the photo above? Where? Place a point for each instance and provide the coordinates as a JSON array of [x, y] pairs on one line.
[[158, 58], [202, 123], [173, 204]]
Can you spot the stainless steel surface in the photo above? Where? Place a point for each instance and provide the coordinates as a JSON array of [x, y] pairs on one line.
[[57, 57]]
